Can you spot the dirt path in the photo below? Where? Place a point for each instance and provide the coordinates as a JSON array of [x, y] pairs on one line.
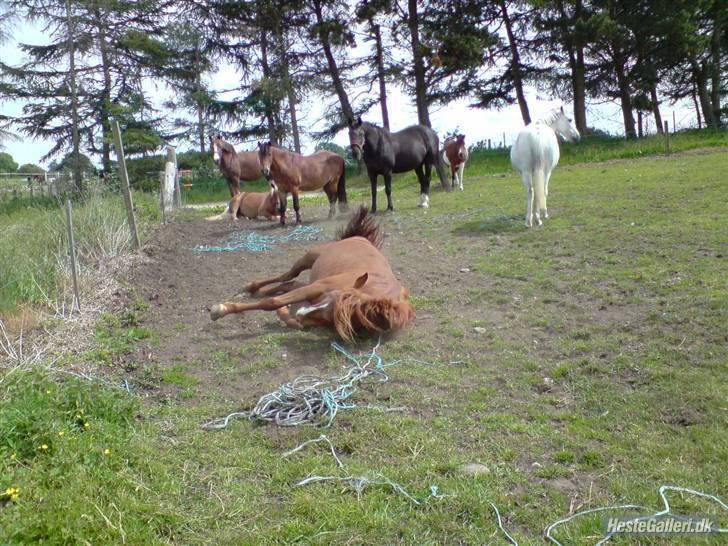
[[239, 357]]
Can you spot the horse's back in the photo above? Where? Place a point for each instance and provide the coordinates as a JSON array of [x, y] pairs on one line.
[[412, 145], [353, 254], [535, 146]]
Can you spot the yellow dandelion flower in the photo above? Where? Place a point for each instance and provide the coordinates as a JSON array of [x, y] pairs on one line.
[[44, 447], [107, 451], [13, 456], [78, 416], [14, 497], [10, 491], [48, 391], [86, 424], [61, 433]]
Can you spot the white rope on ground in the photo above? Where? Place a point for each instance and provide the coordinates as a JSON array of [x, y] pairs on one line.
[[665, 511], [322, 438], [500, 526]]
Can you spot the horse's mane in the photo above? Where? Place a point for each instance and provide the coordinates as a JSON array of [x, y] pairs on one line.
[[549, 118], [362, 224], [352, 315], [227, 146]]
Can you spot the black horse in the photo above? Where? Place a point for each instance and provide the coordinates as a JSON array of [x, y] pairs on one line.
[[414, 148]]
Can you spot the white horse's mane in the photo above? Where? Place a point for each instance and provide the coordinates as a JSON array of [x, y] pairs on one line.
[[552, 116]]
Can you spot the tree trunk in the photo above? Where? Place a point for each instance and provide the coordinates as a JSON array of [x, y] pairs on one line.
[[515, 65], [640, 132], [291, 95], [270, 120], [75, 136], [697, 107], [700, 75], [656, 109], [106, 93], [380, 73], [423, 115], [200, 113], [575, 48], [625, 97], [715, 71], [333, 68]]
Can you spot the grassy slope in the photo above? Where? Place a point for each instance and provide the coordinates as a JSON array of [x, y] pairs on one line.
[[638, 394]]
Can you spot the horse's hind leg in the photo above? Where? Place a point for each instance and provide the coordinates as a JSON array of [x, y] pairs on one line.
[[305, 293], [332, 195], [424, 185], [283, 201], [306, 262], [281, 288], [547, 176], [373, 184], [388, 190], [461, 168], [296, 206], [529, 198]]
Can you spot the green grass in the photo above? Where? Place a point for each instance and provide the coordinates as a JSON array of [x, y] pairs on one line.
[[620, 300], [33, 249]]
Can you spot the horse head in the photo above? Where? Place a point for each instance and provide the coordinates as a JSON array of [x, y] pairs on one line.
[[564, 126], [356, 138], [265, 156], [462, 149]]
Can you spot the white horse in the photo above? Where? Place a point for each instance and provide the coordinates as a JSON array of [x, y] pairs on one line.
[[535, 153]]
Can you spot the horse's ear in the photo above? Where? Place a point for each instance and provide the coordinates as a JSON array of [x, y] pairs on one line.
[[562, 108], [359, 121], [361, 281], [269, 143]]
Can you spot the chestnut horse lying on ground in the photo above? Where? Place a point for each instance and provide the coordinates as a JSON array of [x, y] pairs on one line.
[[234, 166], [295, 173], [351, 289], [455, 154], [252, 205]]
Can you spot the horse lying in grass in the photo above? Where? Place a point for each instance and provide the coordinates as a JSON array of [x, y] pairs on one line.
[[535, 153], [253, 205], [455, 155], [352, 288], [295, 173], [234, 166]]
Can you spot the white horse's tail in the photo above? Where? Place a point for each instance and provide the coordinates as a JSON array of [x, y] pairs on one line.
[[539, 192]]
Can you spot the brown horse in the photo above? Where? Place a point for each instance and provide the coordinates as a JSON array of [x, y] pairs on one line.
[[352, 288], [234, 166], [455, 154], [295, 173], [252, 205]]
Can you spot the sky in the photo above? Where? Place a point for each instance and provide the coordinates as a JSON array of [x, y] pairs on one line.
[[476, 124]]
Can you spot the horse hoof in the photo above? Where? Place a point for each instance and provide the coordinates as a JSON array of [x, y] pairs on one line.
[[251, 288], [217, 311]]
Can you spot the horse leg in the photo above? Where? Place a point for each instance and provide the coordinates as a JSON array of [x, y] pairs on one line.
[[304, 263], [373, 184], [283, 201], [307, 293], [296, 206], [388, 191], [461, 168], [424, 186], [547, 176], [529, 198], [279, 289], [332, 195]]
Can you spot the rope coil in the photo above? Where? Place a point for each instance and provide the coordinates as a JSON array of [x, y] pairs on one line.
[[252, 241]]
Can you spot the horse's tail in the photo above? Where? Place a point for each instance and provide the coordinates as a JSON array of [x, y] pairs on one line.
[[438, 164], [539, 193], [362, 224], [341, 188]]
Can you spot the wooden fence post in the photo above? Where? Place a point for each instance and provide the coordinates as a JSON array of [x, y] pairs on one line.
[[162, 191], [125, 190], [72, 252], [667, 140]]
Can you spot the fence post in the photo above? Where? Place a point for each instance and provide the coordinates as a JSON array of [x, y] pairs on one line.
[[125, 184], [667, 139], [504, 140], [172, 157], [162, 191], [72, 251]]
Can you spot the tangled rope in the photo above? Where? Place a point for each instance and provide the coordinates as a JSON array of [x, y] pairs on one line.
[[253, 241], [310, 399], [357, 483]]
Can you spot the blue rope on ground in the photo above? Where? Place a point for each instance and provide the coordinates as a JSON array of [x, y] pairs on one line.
[[310, 399], [252, 241]]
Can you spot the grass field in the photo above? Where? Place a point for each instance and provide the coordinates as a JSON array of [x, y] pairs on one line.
[[584, 363]]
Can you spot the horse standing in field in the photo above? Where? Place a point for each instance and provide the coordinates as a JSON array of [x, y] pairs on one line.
[[234, 166], [352, 288], [535, 153], [414, 148], [455, 154], [294, 173]]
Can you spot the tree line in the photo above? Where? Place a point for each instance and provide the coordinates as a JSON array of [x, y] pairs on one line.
[[103, 54]]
